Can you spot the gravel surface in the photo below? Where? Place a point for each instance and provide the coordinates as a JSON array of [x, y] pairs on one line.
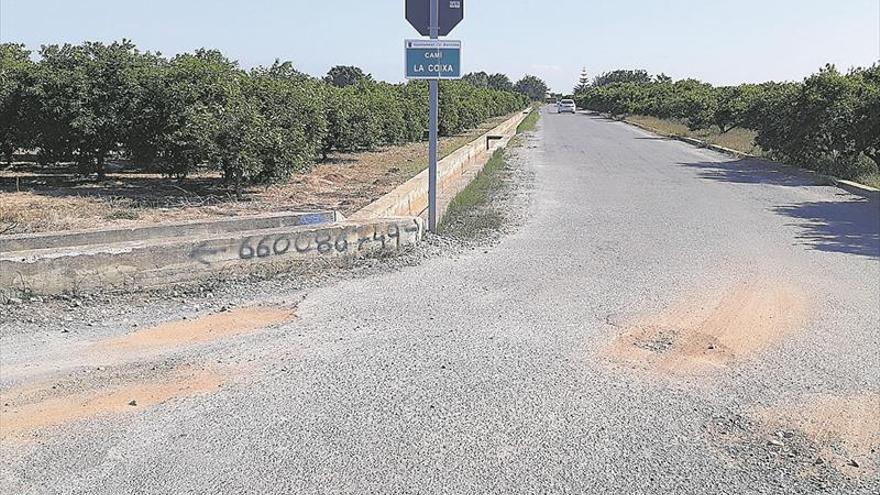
[[493, 367]]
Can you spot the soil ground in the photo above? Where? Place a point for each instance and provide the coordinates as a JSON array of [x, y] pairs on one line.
[[39, 199]]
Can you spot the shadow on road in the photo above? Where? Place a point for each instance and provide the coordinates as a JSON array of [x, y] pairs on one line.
[[596, 116], [847, 226], [851, 227], [752, 172]]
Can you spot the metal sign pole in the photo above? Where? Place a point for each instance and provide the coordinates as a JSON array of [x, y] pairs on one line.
[[433, 97]]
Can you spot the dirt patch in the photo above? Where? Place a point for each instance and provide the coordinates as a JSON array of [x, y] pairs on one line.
[[203, 329], [22, 417], [145, 346], [845, 428], [710, 331], [125, 382]]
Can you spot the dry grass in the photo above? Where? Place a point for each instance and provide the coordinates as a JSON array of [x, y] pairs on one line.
[[40, 200], [872, 180], [742, 140]]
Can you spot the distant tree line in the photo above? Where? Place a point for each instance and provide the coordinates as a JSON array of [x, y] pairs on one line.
[[829, 122], [92, 102], [530, 86]]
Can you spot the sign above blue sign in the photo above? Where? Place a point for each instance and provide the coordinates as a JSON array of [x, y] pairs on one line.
[[450, 13], [433, 59]]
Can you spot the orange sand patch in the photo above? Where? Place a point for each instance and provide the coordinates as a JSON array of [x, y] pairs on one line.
[[203, 329], [711, 331], [22, 418], [844, 427]]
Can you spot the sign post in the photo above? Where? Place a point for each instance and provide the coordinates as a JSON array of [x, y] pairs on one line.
[[433, 100], [432, 19]]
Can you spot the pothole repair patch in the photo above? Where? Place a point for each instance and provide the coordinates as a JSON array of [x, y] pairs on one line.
[[844, 428], [711, 330], [24, 411], [41, 401], [203, 329]]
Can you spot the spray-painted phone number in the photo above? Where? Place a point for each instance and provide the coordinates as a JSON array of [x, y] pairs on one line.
[[323, 242]]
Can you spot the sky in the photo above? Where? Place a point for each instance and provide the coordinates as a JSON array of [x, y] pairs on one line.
[[722, 42]]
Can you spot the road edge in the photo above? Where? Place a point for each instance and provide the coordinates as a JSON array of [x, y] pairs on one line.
[[849, 186]]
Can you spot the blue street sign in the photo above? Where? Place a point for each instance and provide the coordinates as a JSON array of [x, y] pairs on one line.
[[433, 59]]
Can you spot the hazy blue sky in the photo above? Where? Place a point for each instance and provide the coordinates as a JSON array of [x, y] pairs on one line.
[[718, 41]]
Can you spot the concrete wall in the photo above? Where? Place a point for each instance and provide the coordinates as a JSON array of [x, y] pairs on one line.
[[133, 265], [453, 173], [207, 226]]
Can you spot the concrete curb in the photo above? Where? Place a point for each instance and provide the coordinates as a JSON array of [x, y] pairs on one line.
[[204, 226], [411, 197], [139, 264], [847, 185]]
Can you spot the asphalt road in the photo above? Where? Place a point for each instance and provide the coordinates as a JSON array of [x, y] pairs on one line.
[[665, 320]]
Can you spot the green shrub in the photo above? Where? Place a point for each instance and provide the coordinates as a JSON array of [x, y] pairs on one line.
[[830, 122], [89, 102]]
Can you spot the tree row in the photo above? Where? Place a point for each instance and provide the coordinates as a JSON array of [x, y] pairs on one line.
[[94, 102], [829, 122]]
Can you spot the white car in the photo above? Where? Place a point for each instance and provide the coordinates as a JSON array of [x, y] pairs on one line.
[[566, 106]]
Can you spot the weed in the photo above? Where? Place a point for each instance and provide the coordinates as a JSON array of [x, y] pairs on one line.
[[470, 214], [530, 122]]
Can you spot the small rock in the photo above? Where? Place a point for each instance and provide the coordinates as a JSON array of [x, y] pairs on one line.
[[711, 347], [852, 463], [774, 442], [132, 403], [818, 461], [65, 330]]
